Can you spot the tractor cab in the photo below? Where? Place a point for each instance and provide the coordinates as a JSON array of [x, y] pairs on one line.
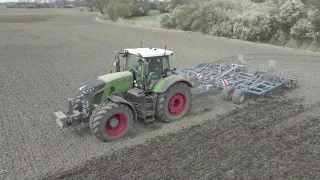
[[148, 65]]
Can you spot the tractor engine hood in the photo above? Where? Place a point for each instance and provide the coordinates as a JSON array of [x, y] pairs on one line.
[[119, 80], [92, 85]]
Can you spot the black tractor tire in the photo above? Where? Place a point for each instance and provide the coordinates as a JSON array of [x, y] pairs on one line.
[[239, 96], [181, 92], [77, 102], [103, 117], [227, 92]]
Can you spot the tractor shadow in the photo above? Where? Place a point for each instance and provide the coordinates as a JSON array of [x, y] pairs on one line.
[[138, 128], [202, 103]]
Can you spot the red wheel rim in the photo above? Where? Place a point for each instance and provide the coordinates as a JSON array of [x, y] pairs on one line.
[[177, 104], [116, 124]]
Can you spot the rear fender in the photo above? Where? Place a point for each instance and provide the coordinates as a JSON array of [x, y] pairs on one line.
[[118, 99], [164, 84]]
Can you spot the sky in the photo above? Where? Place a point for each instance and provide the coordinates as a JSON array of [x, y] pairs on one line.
[[1, 1]]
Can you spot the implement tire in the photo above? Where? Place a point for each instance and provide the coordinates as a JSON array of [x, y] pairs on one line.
[[227, 92], [175, 103], [239, 96], [111, 121]]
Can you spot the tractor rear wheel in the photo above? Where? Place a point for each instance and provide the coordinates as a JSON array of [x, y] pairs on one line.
[[174, 104], [111, 121]]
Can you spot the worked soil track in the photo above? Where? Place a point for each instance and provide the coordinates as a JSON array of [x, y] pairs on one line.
[[247, 143], [46, 55]]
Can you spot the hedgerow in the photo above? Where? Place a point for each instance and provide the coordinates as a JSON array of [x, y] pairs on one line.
[[275, 21], [126, 8]]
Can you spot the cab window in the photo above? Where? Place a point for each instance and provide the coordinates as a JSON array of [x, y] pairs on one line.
[[131, 61], [158, 64]]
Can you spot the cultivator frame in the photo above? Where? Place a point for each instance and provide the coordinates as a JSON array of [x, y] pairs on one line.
[[210, 77], [234, 81]]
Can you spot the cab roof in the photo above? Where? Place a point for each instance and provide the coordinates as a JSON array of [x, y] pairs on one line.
[[149, 52]]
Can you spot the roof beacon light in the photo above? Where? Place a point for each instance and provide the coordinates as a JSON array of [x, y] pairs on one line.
[[141, 43]]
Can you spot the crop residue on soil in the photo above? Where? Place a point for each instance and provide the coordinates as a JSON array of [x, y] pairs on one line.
[[239, 145]]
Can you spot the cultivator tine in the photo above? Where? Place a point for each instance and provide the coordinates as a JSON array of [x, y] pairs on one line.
[[255, 68], [241, 59], [272, 65]]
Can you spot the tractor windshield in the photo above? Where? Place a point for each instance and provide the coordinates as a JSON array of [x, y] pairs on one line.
[[132, 62], [157, 66]]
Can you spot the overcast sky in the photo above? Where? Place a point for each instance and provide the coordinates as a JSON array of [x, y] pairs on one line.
[[1, 1], [8, 1]]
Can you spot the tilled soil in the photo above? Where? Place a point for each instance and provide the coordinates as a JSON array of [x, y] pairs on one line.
[[43, 62], [246, 143]]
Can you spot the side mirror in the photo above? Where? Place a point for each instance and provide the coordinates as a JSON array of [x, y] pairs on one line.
[[116, 63], [146, 69], [110, 71]]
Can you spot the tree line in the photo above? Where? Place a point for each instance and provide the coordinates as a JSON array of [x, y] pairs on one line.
[[44, 3], [271, 21]]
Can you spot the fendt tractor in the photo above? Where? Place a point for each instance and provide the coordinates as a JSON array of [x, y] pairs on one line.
[[146, 88]]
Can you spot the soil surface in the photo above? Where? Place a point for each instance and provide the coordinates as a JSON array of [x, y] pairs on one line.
[[44, 60], [244, 144]]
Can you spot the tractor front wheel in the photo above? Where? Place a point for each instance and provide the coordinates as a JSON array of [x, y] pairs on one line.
[[111, 121], [77, 102], [174, 104]]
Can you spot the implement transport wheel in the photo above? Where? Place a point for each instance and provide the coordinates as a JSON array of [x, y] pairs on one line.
[[238, 96], [174, 104], [111, 121], [293, 84], [227, 92], [290, 84]]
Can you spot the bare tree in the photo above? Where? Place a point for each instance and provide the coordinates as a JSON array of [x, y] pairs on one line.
[[99, 6], [90, 4]]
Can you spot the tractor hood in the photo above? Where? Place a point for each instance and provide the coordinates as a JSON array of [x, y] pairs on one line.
[[92, 84], [99, 82]]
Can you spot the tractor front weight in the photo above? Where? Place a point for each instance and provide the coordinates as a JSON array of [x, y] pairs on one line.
[[71, 118]]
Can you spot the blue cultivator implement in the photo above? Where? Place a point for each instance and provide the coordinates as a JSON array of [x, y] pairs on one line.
[[234, 81], [210, 77], [260, 83]]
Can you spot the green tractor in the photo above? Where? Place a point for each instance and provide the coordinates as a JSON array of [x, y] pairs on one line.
[[146, 88]]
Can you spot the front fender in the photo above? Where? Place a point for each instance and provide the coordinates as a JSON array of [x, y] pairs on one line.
[[165, 83], [118, 99]]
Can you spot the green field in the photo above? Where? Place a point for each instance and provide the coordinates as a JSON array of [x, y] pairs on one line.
[[150, 20], [152, 15]]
